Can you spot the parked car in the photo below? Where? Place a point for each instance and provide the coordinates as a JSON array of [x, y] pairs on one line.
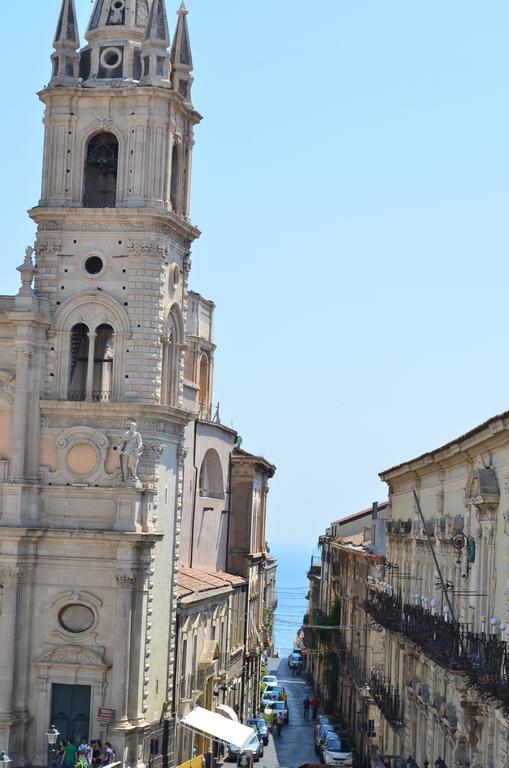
[[267, 698], [278, 689], [274, 708], [295, 660], [320, 735], [336, 750], [254, 746], [320, 720], [270, 680], [260, 724]]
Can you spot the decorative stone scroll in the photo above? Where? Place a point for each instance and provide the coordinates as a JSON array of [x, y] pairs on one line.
[[82, 454]]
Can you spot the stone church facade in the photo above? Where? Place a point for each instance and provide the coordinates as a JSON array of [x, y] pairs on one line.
[[92, 419]]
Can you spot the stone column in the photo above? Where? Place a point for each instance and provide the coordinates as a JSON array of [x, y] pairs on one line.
[[123, 623], [23, 354], [9, 583], [90, 368]]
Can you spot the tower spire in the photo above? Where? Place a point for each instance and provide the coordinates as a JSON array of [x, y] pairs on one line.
[[155, 55], [181, 58], [114, 35], [65, 60]]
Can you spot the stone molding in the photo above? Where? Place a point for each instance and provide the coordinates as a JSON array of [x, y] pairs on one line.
[[80, 435], [72, 656]]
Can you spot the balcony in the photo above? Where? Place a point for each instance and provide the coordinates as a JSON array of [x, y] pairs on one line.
[[484, 658], [97, 396], [387, 699], [398, 527]]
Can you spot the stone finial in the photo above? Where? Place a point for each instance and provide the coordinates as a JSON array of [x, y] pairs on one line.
[[181, 57], [27, 272], [154, 53], [65, 60]]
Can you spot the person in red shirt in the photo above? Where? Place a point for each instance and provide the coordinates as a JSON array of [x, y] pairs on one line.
[[315, 706]]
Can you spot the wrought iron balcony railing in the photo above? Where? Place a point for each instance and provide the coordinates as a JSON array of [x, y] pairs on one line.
[[387, 698], [484, 658]]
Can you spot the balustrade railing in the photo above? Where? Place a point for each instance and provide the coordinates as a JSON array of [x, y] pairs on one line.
[[78, 395], [484, 658], [387, 698]]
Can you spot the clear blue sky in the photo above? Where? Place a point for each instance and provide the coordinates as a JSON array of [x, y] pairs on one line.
[[350, 180]]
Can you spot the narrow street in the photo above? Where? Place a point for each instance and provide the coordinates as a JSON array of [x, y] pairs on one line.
[[295, 745]]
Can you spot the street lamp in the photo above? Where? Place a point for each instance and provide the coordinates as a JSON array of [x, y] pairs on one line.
[[51, 737], [4, 760]]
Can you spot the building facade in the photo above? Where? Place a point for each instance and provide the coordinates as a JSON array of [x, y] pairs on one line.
[[417, 664], [92, 412]]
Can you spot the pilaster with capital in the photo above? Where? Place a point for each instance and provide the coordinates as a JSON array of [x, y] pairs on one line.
[[181, 457], [123, 622], [9, 598], [23, 352]]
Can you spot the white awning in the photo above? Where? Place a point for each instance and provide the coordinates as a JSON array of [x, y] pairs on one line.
[[227, 711], [217, 727]]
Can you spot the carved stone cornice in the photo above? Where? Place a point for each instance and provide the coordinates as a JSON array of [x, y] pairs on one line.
[[147, 220]]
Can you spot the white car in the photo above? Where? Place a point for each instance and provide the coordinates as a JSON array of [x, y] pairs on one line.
[[270, 680], [336, 750], [267, 698]]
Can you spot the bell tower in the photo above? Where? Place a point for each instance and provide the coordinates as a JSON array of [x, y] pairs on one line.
[[95, 485]]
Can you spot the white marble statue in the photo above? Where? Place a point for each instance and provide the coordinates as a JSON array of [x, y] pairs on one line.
[[130, 450]]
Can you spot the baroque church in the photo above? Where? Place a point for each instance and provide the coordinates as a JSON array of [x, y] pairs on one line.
[[92, 419]]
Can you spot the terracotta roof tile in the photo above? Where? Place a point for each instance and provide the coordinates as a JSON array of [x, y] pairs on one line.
[[190, 580]]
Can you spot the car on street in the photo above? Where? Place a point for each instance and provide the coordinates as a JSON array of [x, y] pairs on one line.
[[274, 708], [267, 698], [278, 689], [295, 660], [254, 746], [336, 750], [320, 720], [260, 724], [320, 735], [270, 680]]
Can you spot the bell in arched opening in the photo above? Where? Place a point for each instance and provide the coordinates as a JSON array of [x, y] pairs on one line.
[[101, 168]]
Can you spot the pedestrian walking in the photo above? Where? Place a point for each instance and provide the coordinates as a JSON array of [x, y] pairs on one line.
[[315, 706], [245, 760], [69, 754], [306, 704], [279, 722], [109, 754], [60, 754], [97, 753]]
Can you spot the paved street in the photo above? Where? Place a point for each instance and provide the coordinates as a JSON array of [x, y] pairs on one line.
[[295, 745]]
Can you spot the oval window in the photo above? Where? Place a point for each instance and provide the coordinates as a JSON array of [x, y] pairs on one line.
[[76, 618]]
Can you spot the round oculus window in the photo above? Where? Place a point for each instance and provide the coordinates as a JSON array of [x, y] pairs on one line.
[[111, 58], [118, 5], [94, 265], [76, 618], [174, 276]]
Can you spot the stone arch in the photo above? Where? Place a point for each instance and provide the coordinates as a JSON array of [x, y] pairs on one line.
[[211, 476], [100, 175], [173, 340], [101, 125], [92, 308], [95, 310]]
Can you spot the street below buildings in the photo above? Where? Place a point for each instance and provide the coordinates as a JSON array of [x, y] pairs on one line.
[[295, 745]]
